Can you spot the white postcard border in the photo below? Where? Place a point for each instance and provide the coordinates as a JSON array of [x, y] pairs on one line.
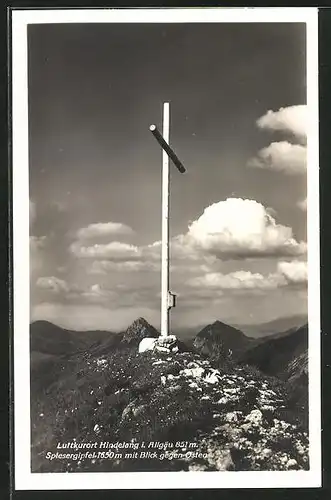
[[24, 479]]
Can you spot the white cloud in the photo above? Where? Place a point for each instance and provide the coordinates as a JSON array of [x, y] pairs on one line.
[[119, 257], [302, 204], [231, 229], [281, 156], [73, 293], [237, 280], [181, 250], [96, 293], [115, 250], [291, 119], [294, 272], [52, 284], [241, 228], [103, 229], [105, 266], [288, 273]]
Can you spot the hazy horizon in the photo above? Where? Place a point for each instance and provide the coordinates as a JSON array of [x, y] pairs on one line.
[[250, 330]]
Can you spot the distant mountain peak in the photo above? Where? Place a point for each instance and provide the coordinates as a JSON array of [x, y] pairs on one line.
[[220, 340], [138, 330], [140, 321], [284, 355], [219, 328], [217, 322]]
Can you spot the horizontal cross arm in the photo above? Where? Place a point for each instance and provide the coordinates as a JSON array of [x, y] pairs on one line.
[[167, 148]]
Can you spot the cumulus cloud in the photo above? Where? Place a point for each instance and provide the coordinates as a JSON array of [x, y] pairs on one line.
[[237, 280], [61, 290], [294, 272], [105, 266], [291, 119], [287, 274], [302, 204], [241, 228], [114, 250], [284, 156], [96, 293], [232, 229], [281, 156], [52, 284], [103, 229], [118, 256], [181, 250]]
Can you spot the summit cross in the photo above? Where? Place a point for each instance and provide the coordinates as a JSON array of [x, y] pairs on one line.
[[168, 299]]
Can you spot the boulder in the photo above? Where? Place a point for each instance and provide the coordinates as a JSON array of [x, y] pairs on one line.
[[147, 344], [166, 344]]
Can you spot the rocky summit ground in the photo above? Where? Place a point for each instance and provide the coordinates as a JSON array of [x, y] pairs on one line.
[[160, 411]]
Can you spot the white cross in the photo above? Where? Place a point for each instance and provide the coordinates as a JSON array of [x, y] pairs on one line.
[[167, 298]]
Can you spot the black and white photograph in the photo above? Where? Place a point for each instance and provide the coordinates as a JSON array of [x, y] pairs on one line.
[[166, 258]]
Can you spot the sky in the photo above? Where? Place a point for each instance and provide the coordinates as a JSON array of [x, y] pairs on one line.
[[237, 96]]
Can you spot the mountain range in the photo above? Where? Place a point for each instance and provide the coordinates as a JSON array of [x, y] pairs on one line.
[[282, 354], [275, 326], [88, 385]]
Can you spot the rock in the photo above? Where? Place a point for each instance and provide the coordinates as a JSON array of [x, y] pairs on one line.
[[197, 467], [223, 401], [195, 386], [193, 372], [166, 340], [212, 378], [215, 457], [268, 409], [231, 417], [167, 344], [138, 410], [223, 460], [127, 411], [174, 388], [255, 417], [160, 348], [292, 464], [147, 344], [192, 364], [266, 453]]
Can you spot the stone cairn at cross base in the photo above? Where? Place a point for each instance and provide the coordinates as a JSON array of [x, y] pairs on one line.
[[165, 344]]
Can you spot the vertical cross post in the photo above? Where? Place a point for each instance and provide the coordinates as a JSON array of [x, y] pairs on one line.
[[165, 225], [168, 299]]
